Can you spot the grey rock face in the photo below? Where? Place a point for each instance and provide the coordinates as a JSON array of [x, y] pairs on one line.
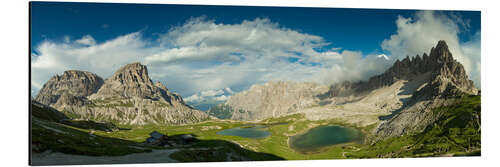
[[445, 70], [132, 80], [273, 99], [127, 97], [448, 80], [73, 82], [413, 118]]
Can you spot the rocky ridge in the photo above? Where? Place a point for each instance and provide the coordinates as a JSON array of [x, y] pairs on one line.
[[440, 64], [427, 82], [74, 83], [447, 80], [129, 96], [272, 99]]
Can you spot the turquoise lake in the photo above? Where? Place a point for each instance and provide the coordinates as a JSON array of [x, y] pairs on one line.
[[324, 136], [255, 132]]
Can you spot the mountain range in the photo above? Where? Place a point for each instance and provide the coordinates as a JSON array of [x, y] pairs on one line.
[[397, 101], [420, 106], [129, 96]]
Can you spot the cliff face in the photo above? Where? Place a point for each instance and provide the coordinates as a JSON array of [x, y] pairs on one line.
[[132, 80], [441, 66], [71, 83], [432, 81], [127, 97], [272, 99]]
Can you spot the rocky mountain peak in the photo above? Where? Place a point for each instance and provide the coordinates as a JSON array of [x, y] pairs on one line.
[[408, 67], [272, 99], [439, 63], [441, 53], [160, 85], [449, 74], [129, 97], [437, 80], [132, 73], [72, 82], [131, 80]]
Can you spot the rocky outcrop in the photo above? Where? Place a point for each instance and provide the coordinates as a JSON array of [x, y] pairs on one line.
[[440, 63], [272, 99], [129, 96], [72, 83], [448, 80], [132, 80]]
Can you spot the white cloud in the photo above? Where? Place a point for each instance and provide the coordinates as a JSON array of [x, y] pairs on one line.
[[67, 39], [210, 95], [193, 98], [419, 34], [86, 40], [383, 56], [228, 90], [222, 98], [211, 56], [472, 49], [202, 40]]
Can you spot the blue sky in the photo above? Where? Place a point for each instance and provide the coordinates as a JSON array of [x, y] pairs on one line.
[[355, 29], [329, 41]]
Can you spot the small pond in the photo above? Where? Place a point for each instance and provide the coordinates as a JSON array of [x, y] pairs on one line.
[[324, 136], [254, 132]]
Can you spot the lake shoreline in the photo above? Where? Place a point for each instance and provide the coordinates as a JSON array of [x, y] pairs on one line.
[[358, 139]]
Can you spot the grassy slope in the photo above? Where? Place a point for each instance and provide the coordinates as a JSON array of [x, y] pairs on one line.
[[49, 133], [456, 132], [47, 114]]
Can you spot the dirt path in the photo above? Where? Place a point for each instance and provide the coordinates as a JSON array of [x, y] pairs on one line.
[[51, 158]]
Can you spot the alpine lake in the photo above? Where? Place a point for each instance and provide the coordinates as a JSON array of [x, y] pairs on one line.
[[313, 140], [320, 137], [253, 132]]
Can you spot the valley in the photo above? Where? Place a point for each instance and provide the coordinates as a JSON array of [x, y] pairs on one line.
[[276, 146]]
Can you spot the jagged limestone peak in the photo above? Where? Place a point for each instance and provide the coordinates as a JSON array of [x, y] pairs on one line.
[[441, 53], [72, 82], [128, 97], [160, 85], [131, 80], [439, 63], [132, 73]]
